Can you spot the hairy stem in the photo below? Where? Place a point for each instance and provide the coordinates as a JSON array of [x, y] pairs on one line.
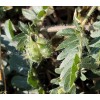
[[82, 33], [88, 15]]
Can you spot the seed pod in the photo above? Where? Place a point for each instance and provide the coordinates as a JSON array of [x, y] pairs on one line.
[[61, 91], [36, 56], [41, 40], [33, 52], [45, 50]]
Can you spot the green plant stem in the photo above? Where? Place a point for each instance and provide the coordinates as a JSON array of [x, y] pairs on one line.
[[82, 33], [80, 46], [36, 75], [88, 15]]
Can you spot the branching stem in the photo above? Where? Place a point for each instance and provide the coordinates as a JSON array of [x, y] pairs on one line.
[[83, 25], [88, 15]]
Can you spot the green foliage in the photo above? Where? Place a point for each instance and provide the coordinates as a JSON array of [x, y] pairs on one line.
[[95, 46], [16, 64], [32, 79], [69, 66], [78, 54], [76, 61], [20, 82], [33, 47], [35, 14], [29, 14], [9, 29]]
